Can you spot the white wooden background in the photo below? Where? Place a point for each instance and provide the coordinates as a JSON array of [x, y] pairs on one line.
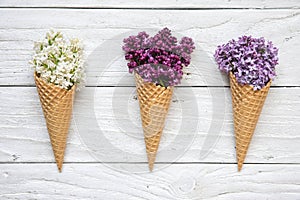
[[27, 168]]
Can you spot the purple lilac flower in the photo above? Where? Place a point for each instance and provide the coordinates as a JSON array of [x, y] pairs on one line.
[[251, 60], [158, 59]]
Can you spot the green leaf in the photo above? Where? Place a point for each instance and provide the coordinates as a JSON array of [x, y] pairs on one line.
[[161, 83]]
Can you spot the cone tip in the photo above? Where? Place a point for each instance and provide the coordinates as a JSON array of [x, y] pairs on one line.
[[151, 160], [151, 167], [59, 167], [240, 165]]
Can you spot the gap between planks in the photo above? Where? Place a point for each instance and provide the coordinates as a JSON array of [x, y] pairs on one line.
[[145, 8], [130, 86], [134, 163]]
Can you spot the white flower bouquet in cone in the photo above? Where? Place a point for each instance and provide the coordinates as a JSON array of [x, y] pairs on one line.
[[157, 63], [58, 72], [250, 63]]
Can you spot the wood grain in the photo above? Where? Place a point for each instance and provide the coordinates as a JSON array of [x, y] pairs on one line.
[[153, 4], [103, 30], [24, 135], [105, 157], [178, 181]]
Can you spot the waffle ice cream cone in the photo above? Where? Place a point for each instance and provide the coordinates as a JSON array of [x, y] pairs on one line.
[[154, 103], [247, 105], [57, 104]]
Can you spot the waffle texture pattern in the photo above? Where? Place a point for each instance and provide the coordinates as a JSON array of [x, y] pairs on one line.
[[57, 104], [247, 105], [154, 101]]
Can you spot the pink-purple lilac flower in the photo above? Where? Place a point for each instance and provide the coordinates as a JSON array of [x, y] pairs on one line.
[[158, 59], [251, 60]]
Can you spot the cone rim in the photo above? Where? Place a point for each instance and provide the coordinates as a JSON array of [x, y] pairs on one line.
[[231, 75], [156, 85], [37, 76]]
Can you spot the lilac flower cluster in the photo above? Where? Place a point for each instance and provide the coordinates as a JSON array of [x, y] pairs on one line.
[[158, 59], [251, 60]]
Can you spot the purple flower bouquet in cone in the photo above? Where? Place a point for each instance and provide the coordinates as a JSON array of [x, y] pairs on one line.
[[250, 63], [157, 63]]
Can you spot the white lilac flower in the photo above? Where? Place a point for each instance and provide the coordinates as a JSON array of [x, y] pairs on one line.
[[59, 61]]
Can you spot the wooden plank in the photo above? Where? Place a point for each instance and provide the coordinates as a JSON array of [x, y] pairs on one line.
[[114, 134], [153, 4], [177, 181], [103, 30]]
